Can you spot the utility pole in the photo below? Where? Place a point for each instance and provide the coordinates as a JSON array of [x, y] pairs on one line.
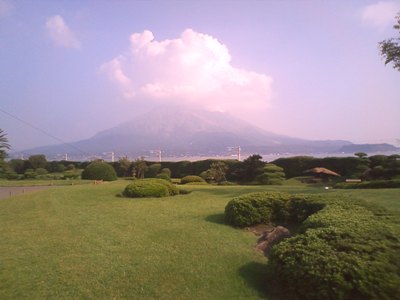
[[158, 152], [238, 149]]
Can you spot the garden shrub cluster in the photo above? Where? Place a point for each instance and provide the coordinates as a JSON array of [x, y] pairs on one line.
[[267, 207], [98, 170], [343, 249], [151, 187], [192, 179], [375, 184]]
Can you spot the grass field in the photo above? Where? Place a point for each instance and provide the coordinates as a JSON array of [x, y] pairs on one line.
[[40, 182], [83, 241]]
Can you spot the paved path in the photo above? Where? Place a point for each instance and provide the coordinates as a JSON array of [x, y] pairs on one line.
[[6, 192]]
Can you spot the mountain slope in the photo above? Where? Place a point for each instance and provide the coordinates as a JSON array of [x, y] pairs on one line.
[[193, 132]]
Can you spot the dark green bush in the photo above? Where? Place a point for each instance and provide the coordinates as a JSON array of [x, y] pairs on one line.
[[344, 251], [172, 189], [256, 208], [150, 188], [29, 174], [99, 171], [192, 179], [375, 184], [163, 176], [71, 175], [41, 171]]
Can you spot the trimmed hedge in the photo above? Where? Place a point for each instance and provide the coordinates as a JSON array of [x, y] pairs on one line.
[[153, 187], [192, 179], [376, 184], [98, 170], [267, 207], [344, 249]]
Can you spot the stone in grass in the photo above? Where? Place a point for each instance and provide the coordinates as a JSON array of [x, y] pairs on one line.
[[272, 237]]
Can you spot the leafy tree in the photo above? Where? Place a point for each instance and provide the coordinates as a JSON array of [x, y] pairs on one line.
[[361, 154], [217, 171], [153, 170], [3, 144], [18, 165], [390, 48], [37, 161], [123, 167], [139, 168], [252, 167]]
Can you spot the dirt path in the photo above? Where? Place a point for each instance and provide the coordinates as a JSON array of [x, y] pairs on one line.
[[6, 192]]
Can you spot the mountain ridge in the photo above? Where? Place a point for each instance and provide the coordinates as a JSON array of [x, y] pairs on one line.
[[184, 131]]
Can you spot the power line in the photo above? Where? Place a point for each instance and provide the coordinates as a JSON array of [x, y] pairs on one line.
[[42, 131]]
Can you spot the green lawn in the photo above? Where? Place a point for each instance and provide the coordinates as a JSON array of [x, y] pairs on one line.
[[42, 182], [83, 241]]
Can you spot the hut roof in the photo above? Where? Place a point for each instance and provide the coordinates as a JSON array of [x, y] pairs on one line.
[[320, 170]]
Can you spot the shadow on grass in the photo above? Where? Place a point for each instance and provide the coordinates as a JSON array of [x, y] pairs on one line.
[[216, 218], [256, 275]]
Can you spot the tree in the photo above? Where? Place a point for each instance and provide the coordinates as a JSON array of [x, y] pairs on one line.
[[123, 167], [139, 168], [3, 144], [361, 154], [272, 175], [37, 161], [4, 141], [390, 48], [217, 171], [153, 170], [252, 167]]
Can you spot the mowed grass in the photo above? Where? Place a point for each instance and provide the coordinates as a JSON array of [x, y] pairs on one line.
[[84, 242], [42, 182]]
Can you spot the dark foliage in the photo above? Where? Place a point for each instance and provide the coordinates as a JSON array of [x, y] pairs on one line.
[[99, 171]]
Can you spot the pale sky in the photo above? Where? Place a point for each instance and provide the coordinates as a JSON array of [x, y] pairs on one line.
[[308, 69]]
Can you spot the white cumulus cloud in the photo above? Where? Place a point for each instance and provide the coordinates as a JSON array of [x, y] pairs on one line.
[[60, 33], [194, 69], [381, 14]]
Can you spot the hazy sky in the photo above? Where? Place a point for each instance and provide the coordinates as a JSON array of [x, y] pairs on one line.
[[308, 69]]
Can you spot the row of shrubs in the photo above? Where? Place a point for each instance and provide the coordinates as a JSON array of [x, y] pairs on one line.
[[376, 184], [33, 174], [268, 207], [343, 249]]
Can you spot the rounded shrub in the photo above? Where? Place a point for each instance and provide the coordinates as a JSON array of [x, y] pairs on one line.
[[192, 179], [163, 176], [99, 171], [153, 187], [256, 208], [344, 251]]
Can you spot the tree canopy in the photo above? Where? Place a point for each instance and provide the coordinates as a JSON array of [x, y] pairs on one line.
[[3, 144], [390, 48]]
